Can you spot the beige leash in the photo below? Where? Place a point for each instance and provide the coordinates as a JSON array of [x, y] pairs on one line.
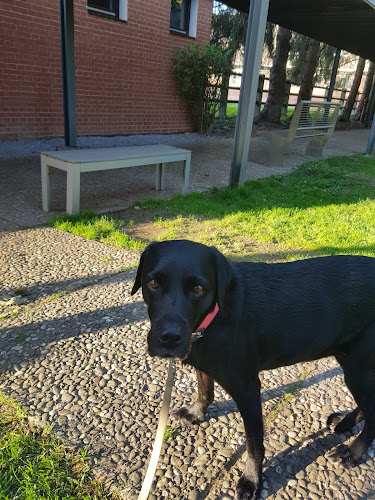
[[147, 483]]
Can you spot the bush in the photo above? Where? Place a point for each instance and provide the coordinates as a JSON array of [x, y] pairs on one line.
[[200, 76]]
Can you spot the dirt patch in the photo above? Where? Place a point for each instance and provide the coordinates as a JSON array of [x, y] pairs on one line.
[[140, 223], [146, 231], [153, 225]]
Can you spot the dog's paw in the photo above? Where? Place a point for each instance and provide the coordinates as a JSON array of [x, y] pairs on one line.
[[338, 423], [341, 454], [341, 422], [187, 414], [246, 489], [334, 419]]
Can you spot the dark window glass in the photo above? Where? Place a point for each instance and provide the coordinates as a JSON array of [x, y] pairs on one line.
[[104, 5], [180, 15]]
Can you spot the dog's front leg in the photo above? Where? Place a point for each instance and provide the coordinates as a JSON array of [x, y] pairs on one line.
[[249, 404], [191, 414]]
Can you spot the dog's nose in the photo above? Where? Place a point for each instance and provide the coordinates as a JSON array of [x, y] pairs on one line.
[[170, 337]]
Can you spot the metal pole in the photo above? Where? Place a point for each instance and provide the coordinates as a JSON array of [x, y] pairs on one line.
[[68, 72], [258, 11], [371, 140], [333, 75], [370, 107]]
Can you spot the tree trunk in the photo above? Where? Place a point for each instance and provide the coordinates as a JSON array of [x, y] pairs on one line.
[[345, 117], [224, 90], [272, 107], [366, 90], [307, 82]]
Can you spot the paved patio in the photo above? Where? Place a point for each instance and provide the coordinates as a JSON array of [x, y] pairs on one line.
[[21, 203]]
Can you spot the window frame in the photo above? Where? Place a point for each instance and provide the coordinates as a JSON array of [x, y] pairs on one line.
[[112, 13], [186, 30]]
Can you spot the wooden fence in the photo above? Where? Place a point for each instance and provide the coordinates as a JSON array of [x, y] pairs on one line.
[[290, 95]]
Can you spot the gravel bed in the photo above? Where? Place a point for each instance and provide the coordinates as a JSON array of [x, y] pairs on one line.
[[38, 263], [78, 361], [9, 149]]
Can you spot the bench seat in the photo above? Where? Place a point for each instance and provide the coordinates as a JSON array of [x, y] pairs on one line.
[[76, 161]]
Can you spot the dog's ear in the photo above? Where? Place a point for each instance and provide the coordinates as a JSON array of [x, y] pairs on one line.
[[138, 279], [223, 274]]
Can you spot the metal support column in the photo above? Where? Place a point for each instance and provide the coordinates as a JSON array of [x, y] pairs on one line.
[[68, 72], [371, 140], [370, 107], [333, 75], [253, 54]]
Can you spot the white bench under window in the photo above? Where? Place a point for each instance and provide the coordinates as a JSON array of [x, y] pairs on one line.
[[89, 160]]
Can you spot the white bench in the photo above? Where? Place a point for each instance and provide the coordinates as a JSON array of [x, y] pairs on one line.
[[316, 119], [89, 160]]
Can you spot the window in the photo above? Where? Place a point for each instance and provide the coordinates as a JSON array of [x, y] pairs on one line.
[[106, 6], [115, 8], [184, 17], [180, 16]]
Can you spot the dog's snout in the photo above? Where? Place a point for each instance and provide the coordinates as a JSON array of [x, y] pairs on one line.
[[170, 337]]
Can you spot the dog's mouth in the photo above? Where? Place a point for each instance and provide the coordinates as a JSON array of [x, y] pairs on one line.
[[169, 339], [162, 352]]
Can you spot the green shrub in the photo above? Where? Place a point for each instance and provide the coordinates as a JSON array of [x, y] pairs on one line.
[[200, 77]]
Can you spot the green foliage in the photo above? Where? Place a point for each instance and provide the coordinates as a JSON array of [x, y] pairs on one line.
[[20, 338], [325, 207], [200, 77], [297, 58], [35, 466], [104, 229], [325, 63], [294, 389], [269, 38], [169, 433], [228, 29]]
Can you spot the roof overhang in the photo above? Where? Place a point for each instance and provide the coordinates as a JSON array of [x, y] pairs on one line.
[[344, 24]]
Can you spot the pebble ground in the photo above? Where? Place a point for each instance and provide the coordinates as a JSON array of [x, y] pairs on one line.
[[73, 352]]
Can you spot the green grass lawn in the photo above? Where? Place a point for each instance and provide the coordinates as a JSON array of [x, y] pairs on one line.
[[34, 465], [232, 108], [323, 207], [104, 229]]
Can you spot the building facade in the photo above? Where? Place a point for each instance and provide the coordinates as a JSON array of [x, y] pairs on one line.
[[124, 51]]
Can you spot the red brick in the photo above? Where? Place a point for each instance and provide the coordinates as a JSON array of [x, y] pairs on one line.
[[124, 79]]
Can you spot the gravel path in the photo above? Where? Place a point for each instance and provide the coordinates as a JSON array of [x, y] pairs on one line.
[[74, 354]]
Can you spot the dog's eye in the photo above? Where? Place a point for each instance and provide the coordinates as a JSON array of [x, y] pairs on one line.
[[153, 284], [198, 289]]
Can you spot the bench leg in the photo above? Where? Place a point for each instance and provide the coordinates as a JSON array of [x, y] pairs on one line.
[[276, 151], [46, 192], [160, 177], [73, 184], [186, 174], [315, 146]]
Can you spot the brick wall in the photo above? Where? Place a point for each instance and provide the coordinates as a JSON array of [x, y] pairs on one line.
[[123, 69]]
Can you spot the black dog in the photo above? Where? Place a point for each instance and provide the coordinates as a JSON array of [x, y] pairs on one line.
[[258, 317]]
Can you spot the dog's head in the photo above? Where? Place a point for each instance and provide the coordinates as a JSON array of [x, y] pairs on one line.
[[181, 283]]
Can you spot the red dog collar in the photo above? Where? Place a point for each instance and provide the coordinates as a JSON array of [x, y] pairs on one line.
[[205, 323]]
